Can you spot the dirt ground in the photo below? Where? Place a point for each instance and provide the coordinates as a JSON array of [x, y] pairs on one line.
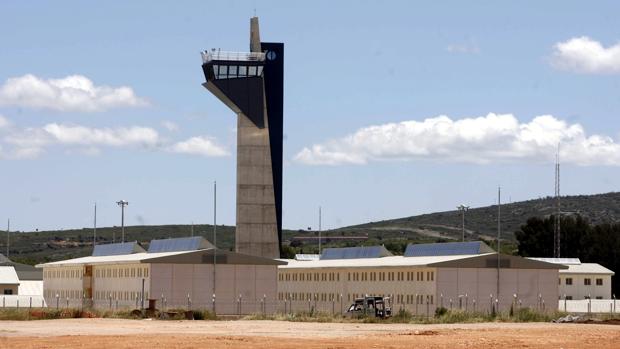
[[115, 333]]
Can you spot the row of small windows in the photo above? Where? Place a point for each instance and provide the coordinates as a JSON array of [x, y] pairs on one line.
[[100, 273], [309, 277], [586, 281], [122, 272], [63, 294], [63, 273], [120, 295], [360, 276], [334, 297], [236, 71]]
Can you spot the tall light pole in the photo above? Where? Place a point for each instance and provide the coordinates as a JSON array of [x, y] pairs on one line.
[[95, 227], [214, 238], [463, 209], [122, 204], [8, 236], [319, 230]]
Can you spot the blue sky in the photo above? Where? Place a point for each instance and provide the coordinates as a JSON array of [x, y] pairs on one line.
[[391, 109]]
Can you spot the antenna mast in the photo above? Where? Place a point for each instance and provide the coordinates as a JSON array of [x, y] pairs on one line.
[[556, 226]]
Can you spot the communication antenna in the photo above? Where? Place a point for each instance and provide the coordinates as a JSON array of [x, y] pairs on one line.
[[556, 226], [8, 236], [95, 227], [499, 231]]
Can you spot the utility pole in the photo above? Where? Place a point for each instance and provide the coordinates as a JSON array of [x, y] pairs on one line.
[[95, 227], [122, 204], [499, 230], [8, 236], [319, 230], [214, 238], [463, 209], [556, 232]]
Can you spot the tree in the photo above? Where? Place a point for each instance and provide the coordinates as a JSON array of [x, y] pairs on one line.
[[591, 244]]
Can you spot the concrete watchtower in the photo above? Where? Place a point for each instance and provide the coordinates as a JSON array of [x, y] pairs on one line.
[[252, 85]]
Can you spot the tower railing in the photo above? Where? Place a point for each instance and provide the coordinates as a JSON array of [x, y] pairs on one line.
[[208, 56]]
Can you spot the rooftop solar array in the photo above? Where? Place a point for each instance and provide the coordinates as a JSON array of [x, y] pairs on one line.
[[447, 249], [355, 252], [117, 249], [179, 244]]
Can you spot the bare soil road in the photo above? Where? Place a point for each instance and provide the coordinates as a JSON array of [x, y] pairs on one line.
[[133, 334]]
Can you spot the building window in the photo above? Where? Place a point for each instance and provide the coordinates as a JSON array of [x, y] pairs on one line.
[[599, 282], [569, 298], [569, 281], [587, 281], [599, 297]]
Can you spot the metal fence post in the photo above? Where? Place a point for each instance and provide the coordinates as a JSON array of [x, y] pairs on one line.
[[57, 300], [30, 302]]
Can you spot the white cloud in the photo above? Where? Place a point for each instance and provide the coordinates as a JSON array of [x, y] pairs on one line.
[[485, 139], [81, 135], [466, 47], [31, 142], [584, 55], [72, 93], [4, 122], [170, 126], [205, 146]]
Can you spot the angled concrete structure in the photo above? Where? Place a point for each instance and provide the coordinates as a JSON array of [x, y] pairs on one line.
[[251, 84]]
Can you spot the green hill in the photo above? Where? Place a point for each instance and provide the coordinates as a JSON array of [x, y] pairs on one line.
[[481, 223]]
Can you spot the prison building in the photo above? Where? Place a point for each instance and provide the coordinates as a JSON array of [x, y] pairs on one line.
[[451, 275], [582, 280], [176, 273]]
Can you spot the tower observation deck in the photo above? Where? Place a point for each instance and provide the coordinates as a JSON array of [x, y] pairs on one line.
[[251, 84]]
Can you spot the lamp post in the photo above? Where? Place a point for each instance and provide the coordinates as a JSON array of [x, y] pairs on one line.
[[463, 209], [122, 204]]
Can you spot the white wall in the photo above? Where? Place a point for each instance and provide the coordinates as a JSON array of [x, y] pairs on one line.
[[476, 285], [252, 282], [578, 290]]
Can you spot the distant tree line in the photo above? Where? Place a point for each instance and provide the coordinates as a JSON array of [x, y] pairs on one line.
[[579, 239]]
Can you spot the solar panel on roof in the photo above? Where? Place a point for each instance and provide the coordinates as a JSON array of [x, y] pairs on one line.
[[179, 244], [117, 249], [355, 252], [447, 249]]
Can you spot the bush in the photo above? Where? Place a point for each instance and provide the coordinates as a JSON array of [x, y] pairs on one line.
[[440, 311]]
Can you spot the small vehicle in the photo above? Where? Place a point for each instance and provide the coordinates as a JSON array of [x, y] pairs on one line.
[[378, 306]]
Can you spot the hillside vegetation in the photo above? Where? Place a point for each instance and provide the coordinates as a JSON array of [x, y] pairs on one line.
[[481, 223]]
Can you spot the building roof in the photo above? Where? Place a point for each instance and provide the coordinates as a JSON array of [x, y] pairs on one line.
[[355, 252], [447, 249], [117, 249], [8, 276], [587, 268], [390, 261], [24, 271], [204, 256], [565, 261], [485, 260], [193, 243]]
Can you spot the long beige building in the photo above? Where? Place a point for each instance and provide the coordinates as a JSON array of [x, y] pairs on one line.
[[452, 275], [177, 273]]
